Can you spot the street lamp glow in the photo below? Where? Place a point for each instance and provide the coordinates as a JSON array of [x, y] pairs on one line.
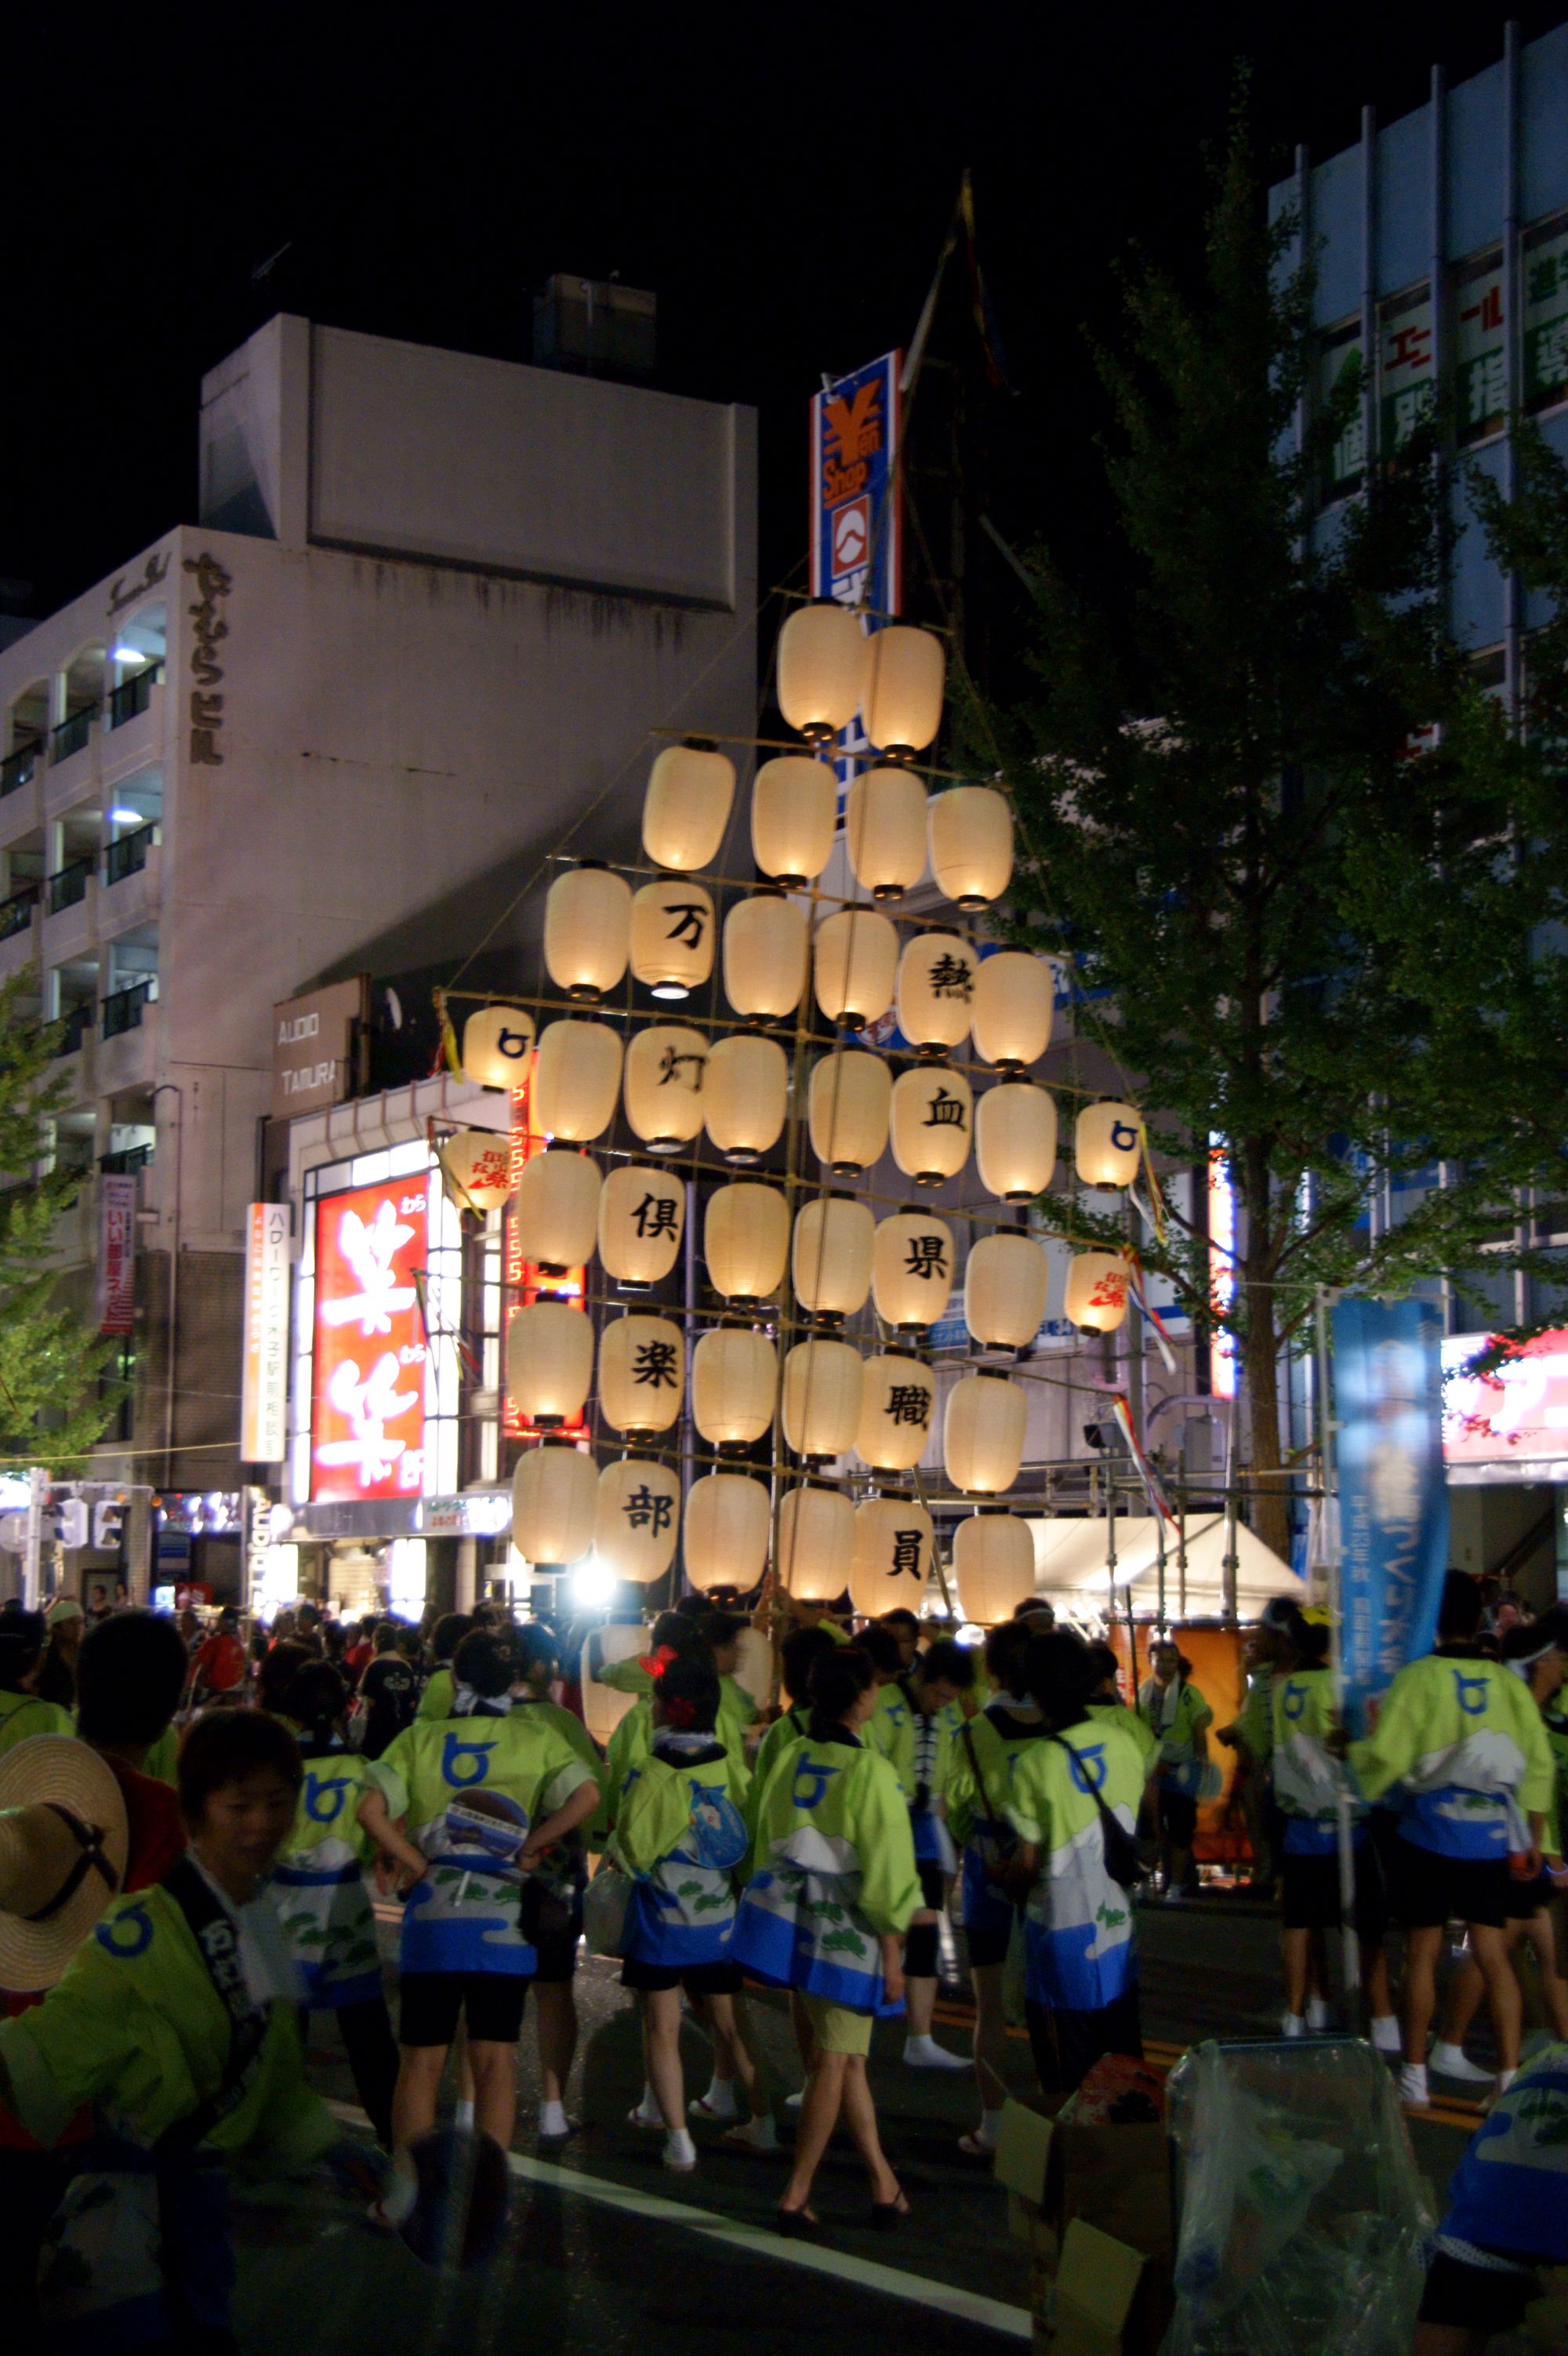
[[592, 1584]]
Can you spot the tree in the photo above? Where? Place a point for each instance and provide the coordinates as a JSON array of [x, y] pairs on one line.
[[1267, 816], [52, 1394]]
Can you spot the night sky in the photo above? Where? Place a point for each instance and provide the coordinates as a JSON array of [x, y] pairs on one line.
[[782, 179]]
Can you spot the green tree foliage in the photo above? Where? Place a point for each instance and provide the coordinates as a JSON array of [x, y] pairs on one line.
[[1273, 821]]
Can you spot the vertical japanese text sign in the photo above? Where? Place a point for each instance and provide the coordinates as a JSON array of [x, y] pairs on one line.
[[264, 1385], [856, 544]]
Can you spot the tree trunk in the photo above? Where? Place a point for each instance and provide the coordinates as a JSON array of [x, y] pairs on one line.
[[1268, 1511]]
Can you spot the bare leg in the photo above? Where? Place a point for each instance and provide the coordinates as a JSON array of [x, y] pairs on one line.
[[860, 2118], [1420, 1989], [1380, 1999], [920, 1995], [1553, 1988], [413, 2098], [732, 2056], [661, 2027], [800, 2022], [990, 2034], [495, 2089], [819, 2117], [1466, 1991], [1297, 1947], [556, 2026], [1502, 1990]]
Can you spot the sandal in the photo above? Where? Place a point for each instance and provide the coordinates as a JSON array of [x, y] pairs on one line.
[[795, 2222], [972, 2149], [698, 2107], [886, 2215]]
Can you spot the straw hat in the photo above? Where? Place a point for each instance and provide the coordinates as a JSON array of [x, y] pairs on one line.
[[63, 1845]]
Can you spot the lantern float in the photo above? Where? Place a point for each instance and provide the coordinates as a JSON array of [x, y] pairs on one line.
[[746, 1095], [642, 1373], [970, 844], [576, 1080], [895, 1550], [725, 1530], [1015, 1140], [912, 1264], [765, 956], [686, 807], [982, 1433], [885, 831], [664, 1071], [477, 1167], [672, 936], [820, 1399], [929, 1123], [1010, 1015], [496, 1044], [557, 1213], [830, 1255], [902, 699], [1097, 1290], [734, 1382], [794, 817], [636, 1519], [745, 1241], [936, 984], [1005, 1290], [855, 966], [993, 1565], [642, 1215], [822, 669], [1105, 1144], [897, 1396], [847, 1109], [554, 1492], [549, 1364], [588, 930], [816, 1543]]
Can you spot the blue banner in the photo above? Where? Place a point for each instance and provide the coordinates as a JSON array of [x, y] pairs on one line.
[[856, 536], [1393, 1504]]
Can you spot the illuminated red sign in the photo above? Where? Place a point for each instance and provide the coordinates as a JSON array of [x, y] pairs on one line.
[[367, 1423]]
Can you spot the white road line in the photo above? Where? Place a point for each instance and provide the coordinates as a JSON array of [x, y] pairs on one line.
[[969, 2307]]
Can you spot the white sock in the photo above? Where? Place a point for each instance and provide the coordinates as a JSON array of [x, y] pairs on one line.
[[648, 2108], [463, 2117], [761, 2131], [1505, 2079], [1412, 2082], [720, 2098], [680, 2151], [1316, 2013], [1386, 2033], [553, 2119], [1295, 2024], [990, 2128]]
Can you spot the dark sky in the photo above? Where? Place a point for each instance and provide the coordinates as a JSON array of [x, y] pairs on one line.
[[782, 177]]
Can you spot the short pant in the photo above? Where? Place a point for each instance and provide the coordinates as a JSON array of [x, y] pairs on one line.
[[835, 2027], [1430, 1888], [933, 1884], [492, 2003], [697, 1979], [1526, 1898], [1475, 2298], [557, 1953], [1309, 1894]]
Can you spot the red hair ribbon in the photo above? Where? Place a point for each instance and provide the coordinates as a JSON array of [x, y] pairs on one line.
[[657, 1663], [679, 1711]]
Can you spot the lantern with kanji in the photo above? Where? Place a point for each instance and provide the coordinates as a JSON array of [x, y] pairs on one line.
[[636, 1519], [1015, 1140], [746, 1095], [576, 1080], [554, 1491], [477, 1167], [1097, 1290], [931, 1122], [830, 1255], [816, 1543], [822, 669], [970, 844], [642, 1215], [665, 1066], [820, 1399], [686, 807], [993, 1565], [1005, 1290], [642, 1373], [726, 1531], [549, 1362], [672, 936], [1015, 995], [588, 930], [497, 1041], [935, 982], [902, 699], [734, 1384], [896, 1398], [982, 1433], [847, 1108], [885, 831], [794, 816], [765, 956], [894, 1551], [557, 1212], [745, 1241], [855, 966], [912, 1264], [1105, 1144]]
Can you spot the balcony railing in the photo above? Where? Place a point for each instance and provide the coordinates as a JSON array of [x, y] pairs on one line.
[[68, 884], [132, 695], [75, 1024], [20, 767], [120, 1164], [73, 733], [16, 913], [123, 1009], [128, 856]]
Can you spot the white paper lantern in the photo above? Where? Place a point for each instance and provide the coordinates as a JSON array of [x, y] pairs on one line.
[[931, 1122], [855, 966], [902, 699], [576, 1080], [936, 984], [554, 1492], [830, 1256], [820, 1399], [735, 1385], [982, 1433], [794, 817], [746, 1095], [912, 1264], [895, 1553], [765, 956], [636, 1519], [672, 937], [642, 1373], [665, 1066], [1097, 1290], [477, 1167], [496, 1042], [557, 1212], [885, 831], [642, 1215], [603, 1706], [970, 844], [686, 807], [849, 1097], [993, 1566], [816, 1543], [822, 669], [896, 1399], [1005, 1290], [1015, 996], [745, 1241], [588, 930], [1105, 1144], [549, 1364], [725, 1534], [1015, 1140]]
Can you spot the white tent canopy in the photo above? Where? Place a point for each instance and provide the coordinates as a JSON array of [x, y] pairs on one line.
[[1072, 1566]]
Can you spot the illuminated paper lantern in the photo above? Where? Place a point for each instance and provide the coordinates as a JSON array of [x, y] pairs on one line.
[[672, 936], [912, 1264], [929, 1123], [1005, 1290], [1015, 1140], [816, 1543], [982, 1433], [588, 930], [686, 807], [665, 1066], [603, 1706], [885, 831], [725, 1533], [822, 669], [902, 699], [496, 1042], [1105, 1144], [831, 1257], [636, 1519], [820, 1399], [848, 1103], [794, 817], [477, 1167], [897, 1397], [557, 1212], [895, 1554], [549, 1362], [1010, 1015], [576, 1080], [642, 1215], [936, 983], [1097, 1290], [993, 1565], [746, 1095], [855, 966], [554, 1491], [745, 1241], [765, 956], [642, 1373], [735, 1383], [970, 844]]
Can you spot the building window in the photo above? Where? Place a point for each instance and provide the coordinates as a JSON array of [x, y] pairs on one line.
[[1546, 313], [1339, 370], [1480, 357], [1406, 390]]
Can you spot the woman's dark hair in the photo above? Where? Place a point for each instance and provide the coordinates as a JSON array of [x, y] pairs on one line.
[[679, 1632], [1006, 1647], [315, 1701], [1459, 1613], [387, 1636], [130, 1674], [1106, 1666], [535, 1646], [901, 1617], [278, 1672], [223, 1747], [1059, 1673], [22, 1636], [697, 1607], [1310, 1640], [880, 1646], [835, 1684], [796, 1654], [687, 1694], [486, 1663], [947, 1660], [723, 1628]]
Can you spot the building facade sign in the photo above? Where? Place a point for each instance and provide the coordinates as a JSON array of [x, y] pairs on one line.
[[1546, 318], [1481, 357], [1510, 1422], [856, 547], [263, 1386], [367, 1389], [313, 1044], [1394, 1506], [116, 1252], [213, 582]]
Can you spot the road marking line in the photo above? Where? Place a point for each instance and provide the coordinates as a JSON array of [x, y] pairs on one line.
[[969, 2307]]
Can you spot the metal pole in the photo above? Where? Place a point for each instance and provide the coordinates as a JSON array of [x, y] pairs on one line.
[[1233, 1507], [173, 1089], [1349, 1944]]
